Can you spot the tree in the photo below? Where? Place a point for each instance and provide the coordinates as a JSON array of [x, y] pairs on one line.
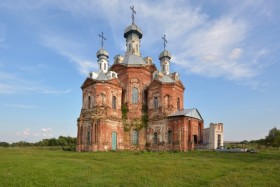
[[4, 144], [53, 142], [62, 141], [273, 137]]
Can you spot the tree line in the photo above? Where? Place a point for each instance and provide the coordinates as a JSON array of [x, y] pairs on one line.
[[60, 141], [271, 140]]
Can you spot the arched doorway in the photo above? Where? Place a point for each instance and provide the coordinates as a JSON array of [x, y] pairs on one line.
[[114, 140]]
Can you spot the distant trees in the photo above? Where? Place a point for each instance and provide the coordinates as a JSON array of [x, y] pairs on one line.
[[61, 141], [273, 137], [4, 144]]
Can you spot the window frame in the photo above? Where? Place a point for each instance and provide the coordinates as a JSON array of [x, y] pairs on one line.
[[114, 102], [135, 137], [178, 103], [89, 102], [88, 137], [156, 103], [155, 138], [135, 95], [169, 136]]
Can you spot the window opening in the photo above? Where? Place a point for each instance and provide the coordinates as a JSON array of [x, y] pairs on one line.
[[178, 104], [155, 102], [114, 100], [134, 95], [155, 138], [134, 137], [89, 102], [88, 137], [169, 136]]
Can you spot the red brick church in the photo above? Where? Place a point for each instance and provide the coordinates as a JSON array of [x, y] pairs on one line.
[[133, 105]]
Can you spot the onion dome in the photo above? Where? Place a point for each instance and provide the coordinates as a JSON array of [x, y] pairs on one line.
[[133, 28], [165, 54], [102, 52]]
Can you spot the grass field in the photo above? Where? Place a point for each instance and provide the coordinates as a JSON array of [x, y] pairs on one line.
[[44, 167]]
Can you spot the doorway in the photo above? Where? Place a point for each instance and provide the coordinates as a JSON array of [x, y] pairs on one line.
[[195, 139], [219, 141], [114, 140]]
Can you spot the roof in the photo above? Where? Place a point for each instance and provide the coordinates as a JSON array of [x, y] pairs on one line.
[[102, 52], [101, 76], [165, 54], [166, 79], [133, 59], [133, 29], [192, 112]]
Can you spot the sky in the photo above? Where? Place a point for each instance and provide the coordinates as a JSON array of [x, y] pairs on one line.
[[226, 52]]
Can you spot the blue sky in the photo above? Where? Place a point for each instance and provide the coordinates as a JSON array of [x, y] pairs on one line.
[[227, 54]]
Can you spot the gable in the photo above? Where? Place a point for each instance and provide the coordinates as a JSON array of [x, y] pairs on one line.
[[115, 82], [154, 83], [192, 112], [180, 84], [87, 82]]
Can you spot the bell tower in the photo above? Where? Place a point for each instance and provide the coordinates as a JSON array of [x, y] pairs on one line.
[[133, 35], [102, 56], [164, 58]]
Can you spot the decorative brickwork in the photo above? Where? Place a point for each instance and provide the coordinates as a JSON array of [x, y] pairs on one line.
[[133, 105]]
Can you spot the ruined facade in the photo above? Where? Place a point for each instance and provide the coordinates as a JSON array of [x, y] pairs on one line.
[[213, 136], [133, 105]]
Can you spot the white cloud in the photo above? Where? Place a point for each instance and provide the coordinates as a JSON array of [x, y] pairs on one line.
[[30, 134], [202, 44], [46, 129], [235, 53], [26, 132], [69, 49], [11, 84]]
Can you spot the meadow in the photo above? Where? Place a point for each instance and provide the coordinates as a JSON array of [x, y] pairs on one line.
[[33, 166]]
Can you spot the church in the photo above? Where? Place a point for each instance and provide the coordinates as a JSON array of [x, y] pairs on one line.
[[133, 105]]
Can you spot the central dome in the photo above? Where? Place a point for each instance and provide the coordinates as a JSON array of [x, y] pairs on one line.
[[133, 28]]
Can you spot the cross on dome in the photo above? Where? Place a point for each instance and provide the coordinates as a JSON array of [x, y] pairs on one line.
[[164, 41], [133, 12], [102, 39]]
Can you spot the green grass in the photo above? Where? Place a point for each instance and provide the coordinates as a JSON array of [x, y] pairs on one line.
[[44, 167]]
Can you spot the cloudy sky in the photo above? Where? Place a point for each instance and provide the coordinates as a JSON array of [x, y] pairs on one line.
[[227, 53]]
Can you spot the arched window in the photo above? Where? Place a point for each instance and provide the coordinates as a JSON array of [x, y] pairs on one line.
[[134, 137], [105, 67], [167, 101], [155, 138], [169, 136], [88, 138], [155, 103], [100, 66], [178, 104], [134, 95], [89, 102], [129, 47], [114, 102], [103, 99]]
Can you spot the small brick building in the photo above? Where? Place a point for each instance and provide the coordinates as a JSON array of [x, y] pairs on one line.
[[133, 105]]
